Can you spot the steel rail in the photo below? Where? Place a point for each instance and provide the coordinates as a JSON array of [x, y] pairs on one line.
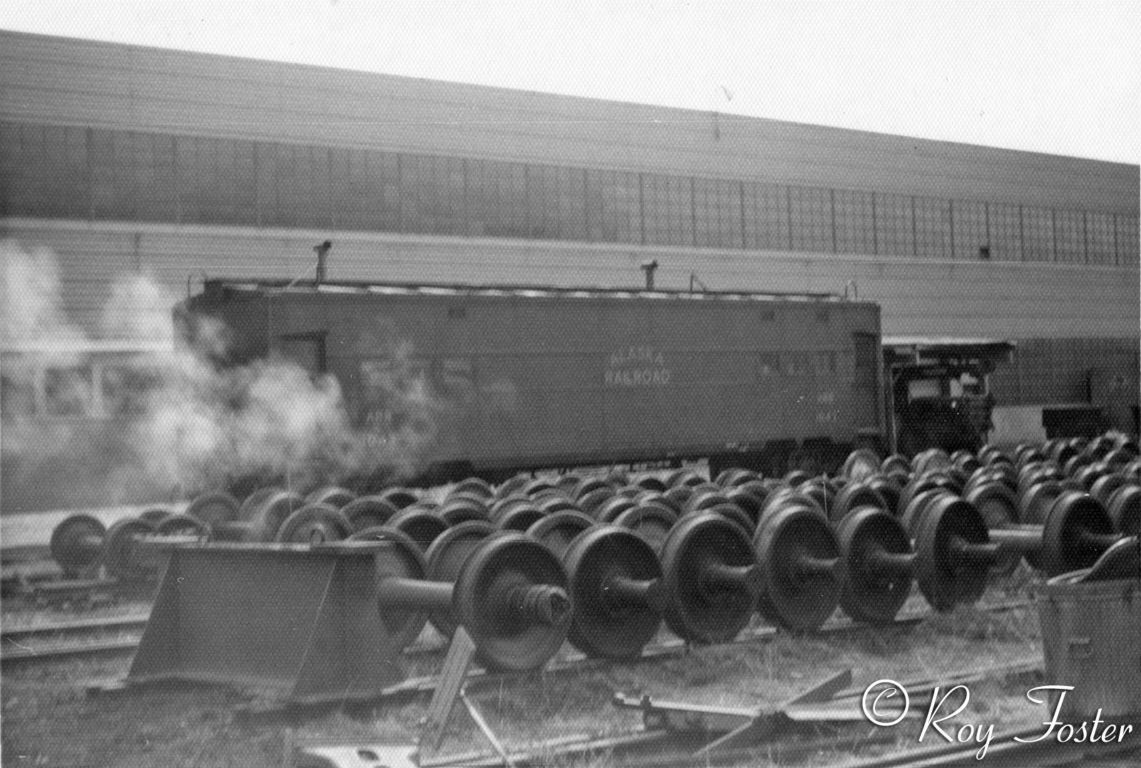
[[13, 650], [55, 629], [71, 650], [577, 661]]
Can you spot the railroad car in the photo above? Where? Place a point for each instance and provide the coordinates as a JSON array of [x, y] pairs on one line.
[[66, 408], [521, 378]]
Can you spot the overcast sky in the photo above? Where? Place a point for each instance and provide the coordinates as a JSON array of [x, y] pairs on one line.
[[1042, 75]]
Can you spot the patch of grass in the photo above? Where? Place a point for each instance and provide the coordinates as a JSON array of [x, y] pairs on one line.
[[48, 717]]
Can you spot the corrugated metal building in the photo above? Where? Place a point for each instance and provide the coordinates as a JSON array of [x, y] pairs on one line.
[[124, 159]]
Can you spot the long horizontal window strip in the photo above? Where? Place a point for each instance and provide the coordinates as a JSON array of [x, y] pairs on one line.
[[89, 173]]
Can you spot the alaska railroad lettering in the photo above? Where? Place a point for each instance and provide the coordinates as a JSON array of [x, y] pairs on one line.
[[636, 367]]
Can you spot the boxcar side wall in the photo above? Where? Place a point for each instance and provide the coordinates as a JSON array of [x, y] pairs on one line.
[[517, 382]]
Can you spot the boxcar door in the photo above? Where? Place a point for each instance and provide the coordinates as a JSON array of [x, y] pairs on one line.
[[305, 349]]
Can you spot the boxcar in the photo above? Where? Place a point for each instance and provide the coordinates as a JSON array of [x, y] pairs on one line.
[[525, 378]]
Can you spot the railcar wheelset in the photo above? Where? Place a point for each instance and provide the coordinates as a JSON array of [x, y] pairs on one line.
[[620, 589], [81, 543], [510, 595]]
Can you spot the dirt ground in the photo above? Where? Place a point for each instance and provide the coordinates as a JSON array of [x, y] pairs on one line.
[[50, 720]]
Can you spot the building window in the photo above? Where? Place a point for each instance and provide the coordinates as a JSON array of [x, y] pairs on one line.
[[156, 180], [1005, 232], [80, 173], [968, 219], [366, 191], [1127, 237], [113, 193], [717, 213], [1069, 237], [432, 194], [300, 174], [855, 222], [556, 202], [810, 212], [895, 233], [217, 184], [613, 211], [1099, 238], [496, 199], [933, 227], [667, 209], [1037, 234], [766, 217]]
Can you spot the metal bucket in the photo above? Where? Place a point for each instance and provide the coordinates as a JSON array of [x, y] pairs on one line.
[[1091, 635]]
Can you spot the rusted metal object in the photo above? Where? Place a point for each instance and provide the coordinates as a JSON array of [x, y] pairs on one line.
[[737, 726], [297, 622]]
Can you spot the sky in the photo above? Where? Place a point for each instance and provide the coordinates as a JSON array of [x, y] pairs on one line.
[[1041, 75]]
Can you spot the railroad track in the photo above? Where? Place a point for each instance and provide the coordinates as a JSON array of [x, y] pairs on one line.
[[88, 638], [71, 639], [18, 591], [576, 661], [55, 630], [660, 745]]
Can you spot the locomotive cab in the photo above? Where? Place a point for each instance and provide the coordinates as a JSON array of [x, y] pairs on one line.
[[939, 391]]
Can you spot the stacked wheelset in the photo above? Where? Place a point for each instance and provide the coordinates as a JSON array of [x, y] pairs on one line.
[[639, 550]]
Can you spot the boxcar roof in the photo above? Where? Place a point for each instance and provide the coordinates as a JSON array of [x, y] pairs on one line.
[[279, 287], [918, 348]]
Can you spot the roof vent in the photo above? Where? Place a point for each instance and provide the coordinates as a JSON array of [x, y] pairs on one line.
[[322, 252]]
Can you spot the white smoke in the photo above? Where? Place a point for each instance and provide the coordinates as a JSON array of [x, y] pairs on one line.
[[32, 308], [138, 309], [270, 418], [196, 425]]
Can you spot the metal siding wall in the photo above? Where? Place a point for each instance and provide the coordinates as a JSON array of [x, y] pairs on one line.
[[89, 267], [926, 297], [101, 84]]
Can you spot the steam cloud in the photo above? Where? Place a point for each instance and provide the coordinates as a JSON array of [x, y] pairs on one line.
[[195, 426], [32, 311]]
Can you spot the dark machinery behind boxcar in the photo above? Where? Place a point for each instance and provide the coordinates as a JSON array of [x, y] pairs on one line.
[[537, 377], [938, 391]]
